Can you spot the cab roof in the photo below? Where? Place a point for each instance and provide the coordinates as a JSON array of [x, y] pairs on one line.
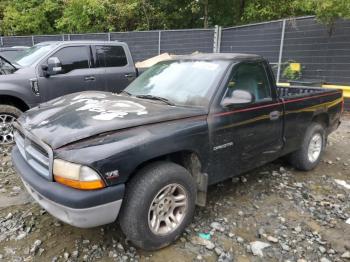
[[219, 56], [88, 42]]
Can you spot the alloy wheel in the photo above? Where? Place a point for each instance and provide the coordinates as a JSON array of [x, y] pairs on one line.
[[167, 209], [6, 129], [315, 147]]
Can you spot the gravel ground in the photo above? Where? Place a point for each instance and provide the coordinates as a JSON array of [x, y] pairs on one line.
[[274, 213]]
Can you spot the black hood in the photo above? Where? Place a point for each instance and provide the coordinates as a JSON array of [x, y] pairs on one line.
[[82, 115]]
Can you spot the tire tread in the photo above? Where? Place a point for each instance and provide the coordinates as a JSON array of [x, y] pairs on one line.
[[135, 203], [299, 158]]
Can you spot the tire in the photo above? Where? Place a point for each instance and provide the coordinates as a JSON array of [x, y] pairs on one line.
[[300, 159], [135, 215], [8, 114]]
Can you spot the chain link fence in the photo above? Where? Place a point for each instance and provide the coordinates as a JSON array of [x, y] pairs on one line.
[[143, 44], [323, 53], [262, 39]]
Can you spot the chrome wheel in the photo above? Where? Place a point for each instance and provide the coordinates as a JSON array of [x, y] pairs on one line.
[[167, 209], [6, 129], [315, 147]]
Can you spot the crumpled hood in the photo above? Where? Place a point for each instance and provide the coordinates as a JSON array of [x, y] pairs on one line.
[[81, 115]]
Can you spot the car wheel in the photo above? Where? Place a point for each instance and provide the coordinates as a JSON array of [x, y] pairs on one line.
[[159, 204], [313, 145], [8, 114]]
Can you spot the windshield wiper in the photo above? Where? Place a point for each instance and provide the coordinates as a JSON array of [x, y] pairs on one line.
[[7, 61], [156, 98], [125, 92]]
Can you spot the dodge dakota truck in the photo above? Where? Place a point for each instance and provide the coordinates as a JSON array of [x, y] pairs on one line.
[[146, 156], [52, 69]]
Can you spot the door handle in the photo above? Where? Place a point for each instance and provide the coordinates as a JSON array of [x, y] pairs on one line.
[[129, 76], [89, 78], [274, 115]]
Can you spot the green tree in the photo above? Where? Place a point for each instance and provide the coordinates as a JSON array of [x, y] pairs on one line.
[[327, 11], [23, 17], [226, 12], [176, 14], [3, 4], [154, 14], [265, 10], [82, 16]]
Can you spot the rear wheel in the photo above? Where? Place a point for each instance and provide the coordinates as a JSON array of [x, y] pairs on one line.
[[159, 204], [8, 114], [313, 145]]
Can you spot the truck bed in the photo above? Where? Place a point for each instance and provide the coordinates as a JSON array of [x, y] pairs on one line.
[[299, 91]]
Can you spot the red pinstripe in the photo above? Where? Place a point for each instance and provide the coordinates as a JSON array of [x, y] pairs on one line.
[[270, 105]]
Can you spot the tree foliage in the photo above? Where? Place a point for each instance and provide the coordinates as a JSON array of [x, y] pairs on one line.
[[80, 16], [327, 11], [30, 17], [23, 17], [264, 10]]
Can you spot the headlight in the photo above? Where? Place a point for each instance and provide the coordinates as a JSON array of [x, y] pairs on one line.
[[76, 176]]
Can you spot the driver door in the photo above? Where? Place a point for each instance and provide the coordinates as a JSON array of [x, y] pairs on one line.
[[246, 135], [74, 77]]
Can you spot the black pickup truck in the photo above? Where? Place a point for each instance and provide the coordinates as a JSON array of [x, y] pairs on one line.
[[147, 155]]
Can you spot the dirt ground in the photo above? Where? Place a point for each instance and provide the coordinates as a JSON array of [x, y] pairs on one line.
[[295, 216]]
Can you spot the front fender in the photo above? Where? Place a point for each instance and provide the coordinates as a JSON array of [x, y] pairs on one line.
[[24, 93], [123, 151]]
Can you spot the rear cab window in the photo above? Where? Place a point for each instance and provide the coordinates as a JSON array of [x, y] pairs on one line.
[[110, 56]]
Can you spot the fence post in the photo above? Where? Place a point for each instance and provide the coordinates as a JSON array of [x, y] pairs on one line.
[[217, 39], [68, 37], [218, 47], [109, 36], [281, 51], [1, 41], [33, 42], [159, 40], [62, 37]]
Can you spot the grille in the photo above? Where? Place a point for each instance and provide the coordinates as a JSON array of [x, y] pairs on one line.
[[36, 155]]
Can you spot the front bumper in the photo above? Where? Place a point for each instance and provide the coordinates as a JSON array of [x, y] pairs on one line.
[[78, 208]]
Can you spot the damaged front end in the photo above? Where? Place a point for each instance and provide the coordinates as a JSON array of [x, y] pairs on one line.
[[73, 193]]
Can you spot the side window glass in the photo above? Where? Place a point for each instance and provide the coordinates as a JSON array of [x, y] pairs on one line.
[[74, 57], [250, 77], [110, 56]]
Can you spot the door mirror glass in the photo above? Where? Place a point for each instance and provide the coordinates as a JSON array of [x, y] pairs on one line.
[[54, 66], [239, 97]]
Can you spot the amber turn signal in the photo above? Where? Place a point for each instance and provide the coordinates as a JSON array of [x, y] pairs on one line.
[[84, 185]]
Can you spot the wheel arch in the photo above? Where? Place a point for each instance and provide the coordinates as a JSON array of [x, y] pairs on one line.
[[188, 159], [322, 118], [14, 101]]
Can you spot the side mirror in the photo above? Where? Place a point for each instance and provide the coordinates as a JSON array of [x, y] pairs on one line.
[[53, 67], [239, 97]]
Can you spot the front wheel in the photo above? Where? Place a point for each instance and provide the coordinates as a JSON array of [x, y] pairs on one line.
[[8, 114], [313, 145], [159, 204]]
